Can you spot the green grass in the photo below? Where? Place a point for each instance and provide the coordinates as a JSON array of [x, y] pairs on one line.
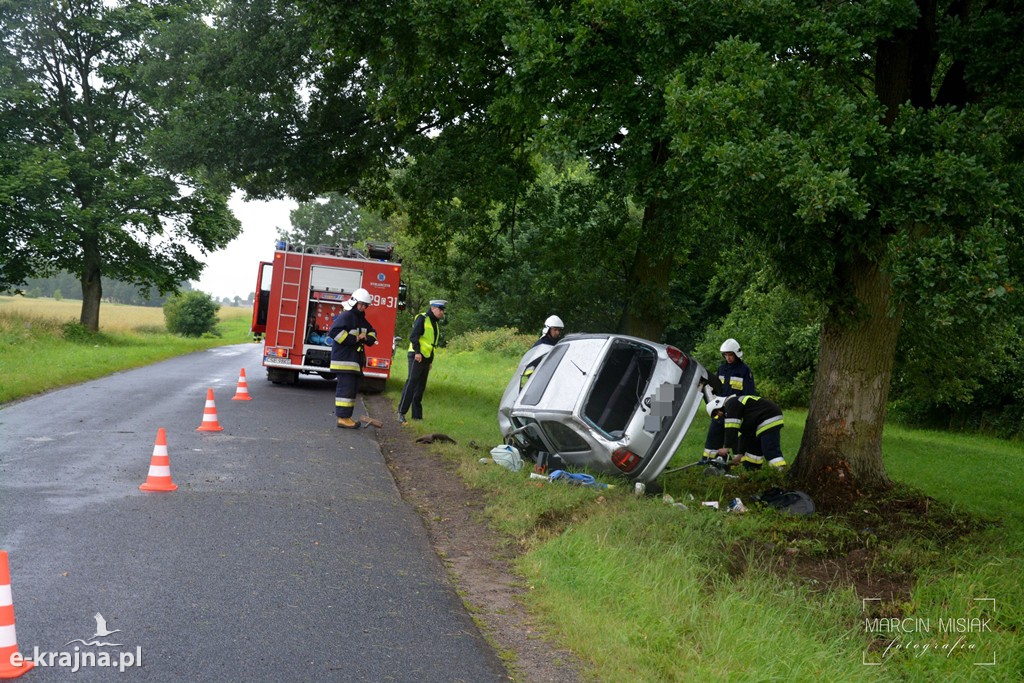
[[42, 347], [645, 591]]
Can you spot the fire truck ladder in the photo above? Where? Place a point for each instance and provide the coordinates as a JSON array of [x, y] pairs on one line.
[[288, 311]]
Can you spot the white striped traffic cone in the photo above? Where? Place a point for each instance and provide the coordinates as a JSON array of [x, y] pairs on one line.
[[8, 638], [210, 423], [159, 478], [242, 392]]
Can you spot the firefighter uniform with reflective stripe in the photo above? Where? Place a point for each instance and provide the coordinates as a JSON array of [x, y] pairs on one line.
[[737, 380], [422, 340], [347, 356], [752, 430]]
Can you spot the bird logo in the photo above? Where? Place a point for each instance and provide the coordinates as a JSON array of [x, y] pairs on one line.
[[101, 632], [101, 627]]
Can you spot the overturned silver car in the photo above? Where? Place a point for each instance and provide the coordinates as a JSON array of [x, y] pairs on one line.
[[611, 403]]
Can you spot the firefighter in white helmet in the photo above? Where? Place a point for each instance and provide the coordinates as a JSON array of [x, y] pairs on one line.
[[737, 379], [552, 333], [753, 427], [350, 332]]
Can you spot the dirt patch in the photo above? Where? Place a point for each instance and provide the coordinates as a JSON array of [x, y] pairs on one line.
[[858, 568], [835, 488], [478, 559], [858, 552]]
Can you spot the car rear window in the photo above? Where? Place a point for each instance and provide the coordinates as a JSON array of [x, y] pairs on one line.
[[564, 439], [543, 375], [620, 386]]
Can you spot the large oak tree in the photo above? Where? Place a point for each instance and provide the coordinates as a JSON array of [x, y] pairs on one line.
[[873, 154], [81, 192]]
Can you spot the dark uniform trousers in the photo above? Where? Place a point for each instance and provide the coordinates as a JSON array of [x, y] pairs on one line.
[[415, 385]]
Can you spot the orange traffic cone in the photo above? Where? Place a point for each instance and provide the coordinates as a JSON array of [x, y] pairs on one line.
[[159, 478], [8, 640], [242, 392], [210, 423]]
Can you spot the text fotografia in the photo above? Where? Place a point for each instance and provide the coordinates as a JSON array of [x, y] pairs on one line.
[[78, 659], [959, 637]]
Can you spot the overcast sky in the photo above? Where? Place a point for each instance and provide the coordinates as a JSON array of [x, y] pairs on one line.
[[231, 272]]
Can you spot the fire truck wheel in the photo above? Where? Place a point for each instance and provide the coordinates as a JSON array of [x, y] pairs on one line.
[[372, 385], [329, 376], [279, 376]]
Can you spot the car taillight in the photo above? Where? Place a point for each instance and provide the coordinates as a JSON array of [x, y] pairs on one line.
[[382, 363], [625, 460], [278, 351], [677, 357]]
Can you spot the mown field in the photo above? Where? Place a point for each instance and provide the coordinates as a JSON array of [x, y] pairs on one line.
[[920, 584]]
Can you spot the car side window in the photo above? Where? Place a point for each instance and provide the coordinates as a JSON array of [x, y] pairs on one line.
[[563, 439]]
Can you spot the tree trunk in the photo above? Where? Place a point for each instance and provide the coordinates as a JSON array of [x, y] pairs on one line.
[[840, 457], [92, 287], [647, 306]]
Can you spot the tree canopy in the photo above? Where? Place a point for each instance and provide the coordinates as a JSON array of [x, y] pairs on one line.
[[334, 219]]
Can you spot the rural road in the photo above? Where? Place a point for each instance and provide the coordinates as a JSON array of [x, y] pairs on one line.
[[285, 554]]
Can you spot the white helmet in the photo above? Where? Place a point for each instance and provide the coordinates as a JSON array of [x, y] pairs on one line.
[[732, 346], [553, 321], [361, 296], [717, 403]]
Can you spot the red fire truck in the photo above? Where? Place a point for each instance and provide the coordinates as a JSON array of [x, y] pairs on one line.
[[302, 289]]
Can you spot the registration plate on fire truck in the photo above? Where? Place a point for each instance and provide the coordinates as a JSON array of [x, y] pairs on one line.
[[274, 360]]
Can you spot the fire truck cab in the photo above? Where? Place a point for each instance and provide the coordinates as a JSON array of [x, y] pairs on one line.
[[300, 292]]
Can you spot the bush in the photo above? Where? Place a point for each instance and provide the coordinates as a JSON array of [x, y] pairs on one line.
[[74, 331], [501, 340], [191, 314]]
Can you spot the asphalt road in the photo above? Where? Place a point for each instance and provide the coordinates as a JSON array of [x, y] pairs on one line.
[[286, 553]]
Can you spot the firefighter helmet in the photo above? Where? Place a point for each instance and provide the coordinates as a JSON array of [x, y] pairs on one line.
[[554, 321], [361, 296], [731, 346], [717, 403]]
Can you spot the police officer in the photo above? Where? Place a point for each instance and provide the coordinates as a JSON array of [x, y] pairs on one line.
[[736, 378], [350, 332], [422, 340], [753, 427]]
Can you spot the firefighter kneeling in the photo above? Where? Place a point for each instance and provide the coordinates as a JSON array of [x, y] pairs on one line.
[[752, 430], [350, 332]]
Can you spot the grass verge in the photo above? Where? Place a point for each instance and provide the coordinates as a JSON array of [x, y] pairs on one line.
[[42, 346]]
